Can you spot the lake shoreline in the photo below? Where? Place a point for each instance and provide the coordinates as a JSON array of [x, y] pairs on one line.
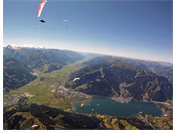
[[108, 106], [121, 99], [126, 100]]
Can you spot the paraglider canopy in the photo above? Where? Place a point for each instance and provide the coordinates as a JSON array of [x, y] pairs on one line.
[[75, 79], [35, 126], [66, 20], [40, 7], [82, 105]]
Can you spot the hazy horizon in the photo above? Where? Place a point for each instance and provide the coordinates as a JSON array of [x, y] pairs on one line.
[[40, 47]]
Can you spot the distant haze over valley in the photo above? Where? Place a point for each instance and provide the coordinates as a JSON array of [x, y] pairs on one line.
[[165, 61]]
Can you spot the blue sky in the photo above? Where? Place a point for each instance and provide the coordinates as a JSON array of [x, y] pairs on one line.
[[137, 29]]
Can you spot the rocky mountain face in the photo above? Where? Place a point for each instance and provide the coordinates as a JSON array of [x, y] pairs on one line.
[[42, 60], [15, 74], [110, 76], [151, 66], [167, 73], [163, 69]]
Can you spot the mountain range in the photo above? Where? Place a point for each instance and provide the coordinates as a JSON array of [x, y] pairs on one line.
[[109, 76], [42, 60], [102, 75]]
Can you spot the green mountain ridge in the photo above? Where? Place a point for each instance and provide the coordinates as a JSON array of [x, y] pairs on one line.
[[15, 74], [116, 78], [24, 116]]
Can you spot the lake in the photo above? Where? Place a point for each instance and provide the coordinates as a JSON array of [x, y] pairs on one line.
[[107, 106]]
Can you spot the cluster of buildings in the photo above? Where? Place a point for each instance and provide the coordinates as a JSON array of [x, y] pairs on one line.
[[61, 91]]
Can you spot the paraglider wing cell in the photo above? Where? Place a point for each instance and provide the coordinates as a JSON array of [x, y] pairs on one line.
[[40, 8]]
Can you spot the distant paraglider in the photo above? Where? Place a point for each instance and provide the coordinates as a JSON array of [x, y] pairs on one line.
[[75, 79], [35, 126], [66, 20], [36, 27], [40, 8], [82, 105]]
